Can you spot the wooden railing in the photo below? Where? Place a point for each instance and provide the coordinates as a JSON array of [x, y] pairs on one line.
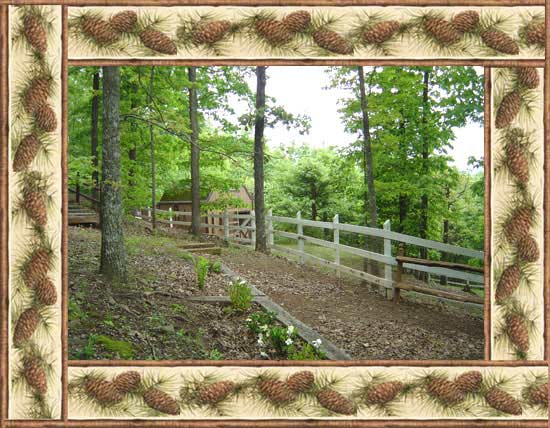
[[469, 276]]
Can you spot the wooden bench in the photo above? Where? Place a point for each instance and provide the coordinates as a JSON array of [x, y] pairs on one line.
[[423, 289]]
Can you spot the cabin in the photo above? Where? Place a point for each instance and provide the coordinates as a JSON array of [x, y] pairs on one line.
[[236, 201]]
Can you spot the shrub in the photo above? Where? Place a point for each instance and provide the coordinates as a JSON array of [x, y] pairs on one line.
[[240, 296], [261, 321], [201, 270], [308, 352]]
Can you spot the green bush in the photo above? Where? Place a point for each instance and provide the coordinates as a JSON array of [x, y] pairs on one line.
[[308, 352], [216, 267], [202, 266], [240, 296]]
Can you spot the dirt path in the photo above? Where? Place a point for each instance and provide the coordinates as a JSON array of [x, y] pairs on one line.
[[361, 322]]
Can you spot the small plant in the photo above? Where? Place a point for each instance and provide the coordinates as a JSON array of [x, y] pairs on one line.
[[202, 266], [215, 355], [260, 322], [240, 295], [216, 267], [309, 352]]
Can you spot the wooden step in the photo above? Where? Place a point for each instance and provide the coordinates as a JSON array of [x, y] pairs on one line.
[[196, 245], [215, 251]]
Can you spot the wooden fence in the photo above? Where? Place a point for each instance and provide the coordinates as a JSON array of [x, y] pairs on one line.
[[243, 233]]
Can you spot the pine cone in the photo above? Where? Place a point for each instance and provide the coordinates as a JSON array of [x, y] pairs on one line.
[[297, 22], [45, 292], [301, 381], [508, 282], [465, 22], [35, 375], [502, 401], [528, 77], [500, 42], [35, 33], [35, 207], [332, 42], [528, 249], [37, 267], [508, 109], [536, 34], [26, 152], [161, 401], [26, 326], [103, 391], [158, 42], [37, 93], [516, 329], [384, 392], [335, 402], [539, 394], [520, 221], [216, 392], [276, 391], [442, 30], [445, 391], [517, 162], [127, 382], [100, 31], [211, 32], [469, 382], [124, 22], [45, 118], [273, 31], [381, 32]]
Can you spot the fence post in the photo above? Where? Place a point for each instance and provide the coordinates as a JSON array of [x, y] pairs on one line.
[[398, 274], [253, 224], [170, 219], [336, 240], [270, 240], [226, 225], [300, 230], [387, 268]]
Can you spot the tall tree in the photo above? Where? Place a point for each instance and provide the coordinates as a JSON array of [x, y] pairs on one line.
[[113, 253], [195, 154], [371, 212], [426, 135], [94, 134], [259, 125], [152, 148]]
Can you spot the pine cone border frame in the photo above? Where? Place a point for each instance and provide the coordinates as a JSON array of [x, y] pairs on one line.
[[161, 402], [158, 42]]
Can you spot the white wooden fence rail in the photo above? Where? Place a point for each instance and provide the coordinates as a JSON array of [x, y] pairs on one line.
[[247, 223]]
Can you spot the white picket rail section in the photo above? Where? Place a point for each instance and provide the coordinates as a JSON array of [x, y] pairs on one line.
[[246, 223]]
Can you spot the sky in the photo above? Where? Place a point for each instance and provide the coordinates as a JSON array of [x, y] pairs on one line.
[[299, 90]]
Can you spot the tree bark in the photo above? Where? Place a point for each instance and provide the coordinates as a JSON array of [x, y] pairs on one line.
[[259, 125], [113, 253], [94, 134], [371, 214], [153, 159], [195, 154], [425, 155]]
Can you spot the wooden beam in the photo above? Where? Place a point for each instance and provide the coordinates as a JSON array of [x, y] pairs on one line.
[[439, 293], [438, 263]]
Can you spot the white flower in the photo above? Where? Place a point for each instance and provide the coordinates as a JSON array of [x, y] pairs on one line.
[[317, 343], [288, 342], [260, 341], [290, 329], [248, 320], [264, 327], [263, 354]]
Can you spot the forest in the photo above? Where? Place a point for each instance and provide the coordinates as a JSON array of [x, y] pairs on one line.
[[398, 168], [144, 137]]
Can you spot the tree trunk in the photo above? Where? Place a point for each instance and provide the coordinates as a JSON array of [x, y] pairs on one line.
[[94, 134], [153, 159], [443, 279], [403, 208], [113, 253], [371, 214], [132, 153], [425, 154], [195, 154], [259, 125]]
